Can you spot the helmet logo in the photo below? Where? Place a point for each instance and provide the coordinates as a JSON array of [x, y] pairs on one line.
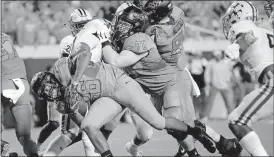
[[236, 11]]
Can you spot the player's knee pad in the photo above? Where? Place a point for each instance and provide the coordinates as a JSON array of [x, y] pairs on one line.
[[180, 136]]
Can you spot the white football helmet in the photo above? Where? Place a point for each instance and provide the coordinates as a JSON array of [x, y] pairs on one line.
[[239, 11], [78, 18]]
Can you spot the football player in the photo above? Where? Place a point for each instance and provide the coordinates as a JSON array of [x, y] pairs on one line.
[[157, 77], [269, 9], [80, 19], [167, 30], [85, 86], [253, 45], [15, 94]]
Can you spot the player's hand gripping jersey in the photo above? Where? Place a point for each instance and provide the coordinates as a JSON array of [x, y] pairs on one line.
[[152, 72], [256, 45], [12, 65], [169, 35]]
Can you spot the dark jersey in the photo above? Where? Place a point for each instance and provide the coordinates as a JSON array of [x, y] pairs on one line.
[[152, 72], [12, 65]]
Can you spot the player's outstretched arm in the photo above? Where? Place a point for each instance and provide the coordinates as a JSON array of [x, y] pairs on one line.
[[84, 55], [124, 59]]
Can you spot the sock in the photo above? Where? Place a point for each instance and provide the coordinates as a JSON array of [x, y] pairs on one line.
[[213, 134], [192, 152], [252, 143], [88, 146], [107, 154]]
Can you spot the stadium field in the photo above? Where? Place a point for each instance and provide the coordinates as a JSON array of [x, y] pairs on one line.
[[160, 145]]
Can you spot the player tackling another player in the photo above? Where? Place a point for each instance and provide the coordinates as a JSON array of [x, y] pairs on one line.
[[111, 83], [253, 45], [80, 82]]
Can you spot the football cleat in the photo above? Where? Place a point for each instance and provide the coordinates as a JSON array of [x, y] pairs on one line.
[[229, 148], [200, 135], [181, 152], [4, 147], [135, 152]]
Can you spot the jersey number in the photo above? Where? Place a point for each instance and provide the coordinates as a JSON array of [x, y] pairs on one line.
[[90, 89], [270, 40], [67, 49]]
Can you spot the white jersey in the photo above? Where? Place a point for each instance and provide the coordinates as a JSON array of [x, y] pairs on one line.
[[66, 44], [88, 35], [260, 54]]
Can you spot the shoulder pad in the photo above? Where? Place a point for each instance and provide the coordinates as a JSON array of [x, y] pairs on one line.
[[139, 43], [65, 45]]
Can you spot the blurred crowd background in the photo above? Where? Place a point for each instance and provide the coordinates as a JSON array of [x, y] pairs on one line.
[[35, 23], [44, 22]]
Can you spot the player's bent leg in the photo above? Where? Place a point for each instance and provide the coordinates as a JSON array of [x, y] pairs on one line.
[[185, 141], [52, 124], [256, 105], [129, 93], [101, 111]]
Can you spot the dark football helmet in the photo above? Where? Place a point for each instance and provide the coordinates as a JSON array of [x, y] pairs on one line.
[[130, 21], [47, 87], [157, 9]]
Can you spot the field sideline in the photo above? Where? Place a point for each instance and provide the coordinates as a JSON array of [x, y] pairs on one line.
[[161, 143]]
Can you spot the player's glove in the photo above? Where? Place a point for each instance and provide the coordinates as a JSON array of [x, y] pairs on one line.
[[60, 107], [72, 99], [233, 51]]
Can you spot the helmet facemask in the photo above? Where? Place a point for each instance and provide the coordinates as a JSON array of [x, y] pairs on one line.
[[133, 20], [238, 11], [47, 87], [77, 26]]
